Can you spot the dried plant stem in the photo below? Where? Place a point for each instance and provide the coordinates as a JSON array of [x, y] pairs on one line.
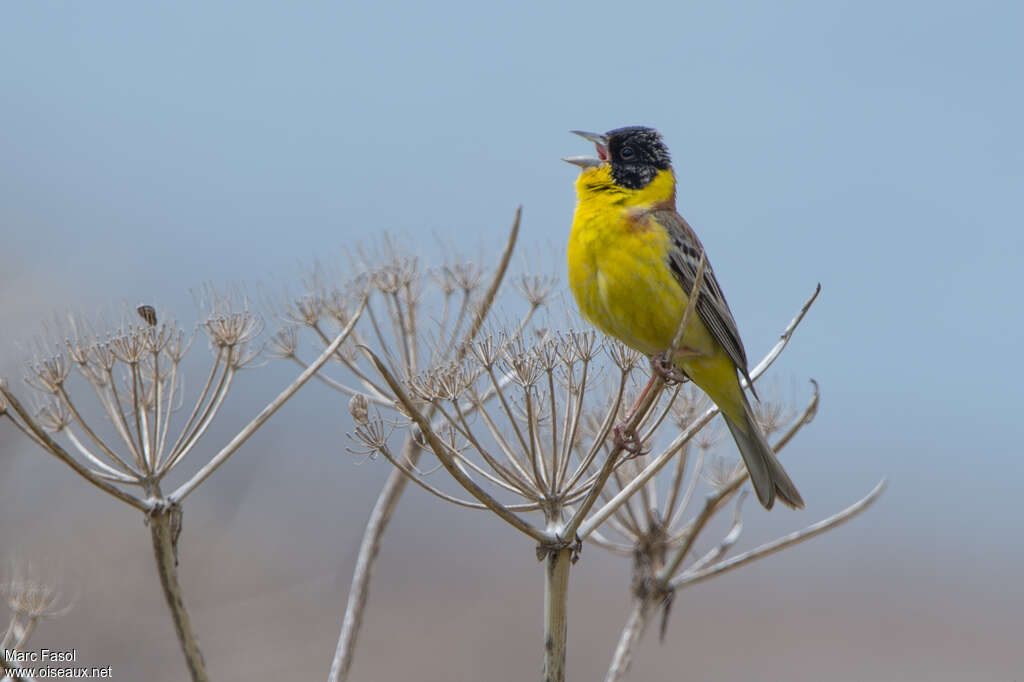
[[638, 413], [556, 599], [266, 413], [444, 456], [163, 527], [633, 630], [655, 464], [690, 578], [645, 605], [60, 453], [26, 632], [359, 592], [387, 500]]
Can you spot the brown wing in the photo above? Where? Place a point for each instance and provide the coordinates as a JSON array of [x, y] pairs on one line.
[[683, 260]]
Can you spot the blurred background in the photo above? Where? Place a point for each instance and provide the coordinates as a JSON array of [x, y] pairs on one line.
[[873, 147]]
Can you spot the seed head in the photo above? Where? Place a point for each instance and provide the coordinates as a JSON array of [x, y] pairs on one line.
[[30, 597], [446, 382], [227, 330], [130, 344], [443, 279], [284, 342], [550, 353], [487, 349], [720, 472], [535, 288], [178, 344], [54, 416], [584, 343], [340, 304], [520, 364], [770, 415], [708, 437], [101, 356], [396, 275], [466, 275], [624, 357], [372, 433], [49, 374], [305, 309], [359, 408], [689, 404]]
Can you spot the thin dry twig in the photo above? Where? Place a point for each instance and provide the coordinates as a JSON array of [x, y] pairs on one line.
[[691, 578], [387, 500]]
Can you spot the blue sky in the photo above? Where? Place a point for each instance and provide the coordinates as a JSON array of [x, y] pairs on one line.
[[873, 147]]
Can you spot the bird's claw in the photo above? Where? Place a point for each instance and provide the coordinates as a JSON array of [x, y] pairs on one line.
[[630, 443], [663, 366]]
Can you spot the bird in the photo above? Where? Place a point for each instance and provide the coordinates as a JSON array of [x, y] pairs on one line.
[[633, 261]]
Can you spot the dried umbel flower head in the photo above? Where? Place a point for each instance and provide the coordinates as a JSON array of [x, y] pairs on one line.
[[447, 382], [466, 275], [624, 357], [31, 597], [133, 373], [770, 415], [231, 329], [55, 416], [372, 434], [719, 472], [284, 342], [584, 344], [131, 345], [359, 408], [535, 288], [306, 309], [395, 275], [443, 279], [488, 348], [228, 320], [48, 374], [341, 303], [520, 364]]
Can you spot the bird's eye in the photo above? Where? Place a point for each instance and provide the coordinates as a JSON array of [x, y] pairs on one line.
[[627, 153]]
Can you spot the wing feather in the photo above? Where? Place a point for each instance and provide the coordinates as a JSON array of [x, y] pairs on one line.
[[683, 260]]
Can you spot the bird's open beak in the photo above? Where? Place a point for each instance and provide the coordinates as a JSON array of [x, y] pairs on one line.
[[584, 162]]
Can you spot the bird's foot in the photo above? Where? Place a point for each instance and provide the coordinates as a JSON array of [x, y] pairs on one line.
[[630, 443], [664, 366]]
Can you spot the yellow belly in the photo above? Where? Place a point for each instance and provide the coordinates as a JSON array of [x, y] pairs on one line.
[[619, 274]]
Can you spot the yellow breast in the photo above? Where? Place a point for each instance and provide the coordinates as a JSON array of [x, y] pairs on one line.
[[618, 262]]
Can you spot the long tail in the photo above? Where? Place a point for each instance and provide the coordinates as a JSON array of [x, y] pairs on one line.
[[770, 480]]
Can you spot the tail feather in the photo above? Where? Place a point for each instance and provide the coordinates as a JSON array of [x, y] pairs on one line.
[[770, 480]]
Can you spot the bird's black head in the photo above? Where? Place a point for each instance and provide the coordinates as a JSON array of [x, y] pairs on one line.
[[636, 154]]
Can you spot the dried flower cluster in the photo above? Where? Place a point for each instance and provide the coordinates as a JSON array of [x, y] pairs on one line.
[[29, 600], [565, 435], [525, 421], [134, 373], [132, 378]]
